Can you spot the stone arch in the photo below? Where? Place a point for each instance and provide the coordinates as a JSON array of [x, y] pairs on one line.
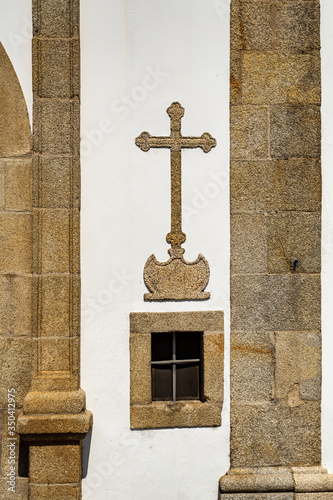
[[15, 133], [15, 250]]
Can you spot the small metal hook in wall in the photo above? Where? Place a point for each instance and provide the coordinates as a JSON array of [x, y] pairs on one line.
[[294, 262]]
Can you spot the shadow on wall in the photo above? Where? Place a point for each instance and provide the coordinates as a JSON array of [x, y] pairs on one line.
[[86, 444]]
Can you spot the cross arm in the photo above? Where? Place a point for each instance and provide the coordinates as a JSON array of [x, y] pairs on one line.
[[206, 142], [145, 141]]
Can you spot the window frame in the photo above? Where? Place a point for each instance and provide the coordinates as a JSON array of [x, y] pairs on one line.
[[148, 414]]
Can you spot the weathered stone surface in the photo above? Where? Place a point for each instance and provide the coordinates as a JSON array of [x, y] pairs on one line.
[[273, 434], [251, 25], [248, 243], [272, 78], [213, 352], [256, 496], [295, 131], [140, 353], [279, 302], [54, 133], [53, 183], [14, 121], [20, 314], [314, 496], [58, 381], [261, 186], [297, 184], [55, 402], [21, 489], [55, 424], [160, 415], [15, 242], [294, 235], [251, 186], [297, 25], [177, 278], [15, 368], [235, 76], [74, 254], [275, 480], [189, 321], [275, 68], [65, 459], [17, 184], [54, 492], [54, 354], [298, 367], [252, 367], [54, 240], [248, 132], [56, 18], [59, 354], [55, 307], [53, 71], [258, 479], [4, 313], [312, 479]]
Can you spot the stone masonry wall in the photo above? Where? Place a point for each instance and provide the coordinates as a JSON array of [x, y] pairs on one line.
[[15, 267], [275, 233]]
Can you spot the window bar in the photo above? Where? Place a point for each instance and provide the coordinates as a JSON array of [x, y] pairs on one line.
[[174, 366], [176, 362]]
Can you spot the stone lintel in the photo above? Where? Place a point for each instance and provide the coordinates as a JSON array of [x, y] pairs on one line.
[[60, 425], [275, 480]]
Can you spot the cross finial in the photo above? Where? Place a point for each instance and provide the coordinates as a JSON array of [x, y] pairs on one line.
[[175, 142]]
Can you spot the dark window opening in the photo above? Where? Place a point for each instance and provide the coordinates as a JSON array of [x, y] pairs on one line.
[[176, 366], [23, 459]]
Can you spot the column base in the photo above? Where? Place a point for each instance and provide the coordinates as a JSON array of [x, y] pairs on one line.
[[277, 483], [54, 441]]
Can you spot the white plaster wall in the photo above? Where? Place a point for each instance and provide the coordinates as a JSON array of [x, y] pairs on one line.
[[125, 217], [138, 57], [15, 36], [327, 231]]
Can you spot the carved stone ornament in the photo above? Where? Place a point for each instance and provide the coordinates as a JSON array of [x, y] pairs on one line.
[[176, 279]]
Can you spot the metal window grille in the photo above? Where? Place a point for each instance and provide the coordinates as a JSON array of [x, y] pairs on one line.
[[176, 366]]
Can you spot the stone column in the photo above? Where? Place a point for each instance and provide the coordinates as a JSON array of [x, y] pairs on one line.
[[54, 419], [275, 253]]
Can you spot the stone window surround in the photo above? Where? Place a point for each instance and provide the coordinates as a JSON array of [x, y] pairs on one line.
[[148, 414]]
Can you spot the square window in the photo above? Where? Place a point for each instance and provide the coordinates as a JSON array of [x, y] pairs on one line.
[[176, 369]]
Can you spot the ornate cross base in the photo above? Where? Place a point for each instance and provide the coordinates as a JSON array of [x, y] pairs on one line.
[[277, 483], [176, 279]]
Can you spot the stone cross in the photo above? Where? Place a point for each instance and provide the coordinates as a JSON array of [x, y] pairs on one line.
[[176, 279], [175, 142]]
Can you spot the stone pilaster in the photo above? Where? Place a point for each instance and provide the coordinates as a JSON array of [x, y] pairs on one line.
[[54, 420], [275, 253]]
